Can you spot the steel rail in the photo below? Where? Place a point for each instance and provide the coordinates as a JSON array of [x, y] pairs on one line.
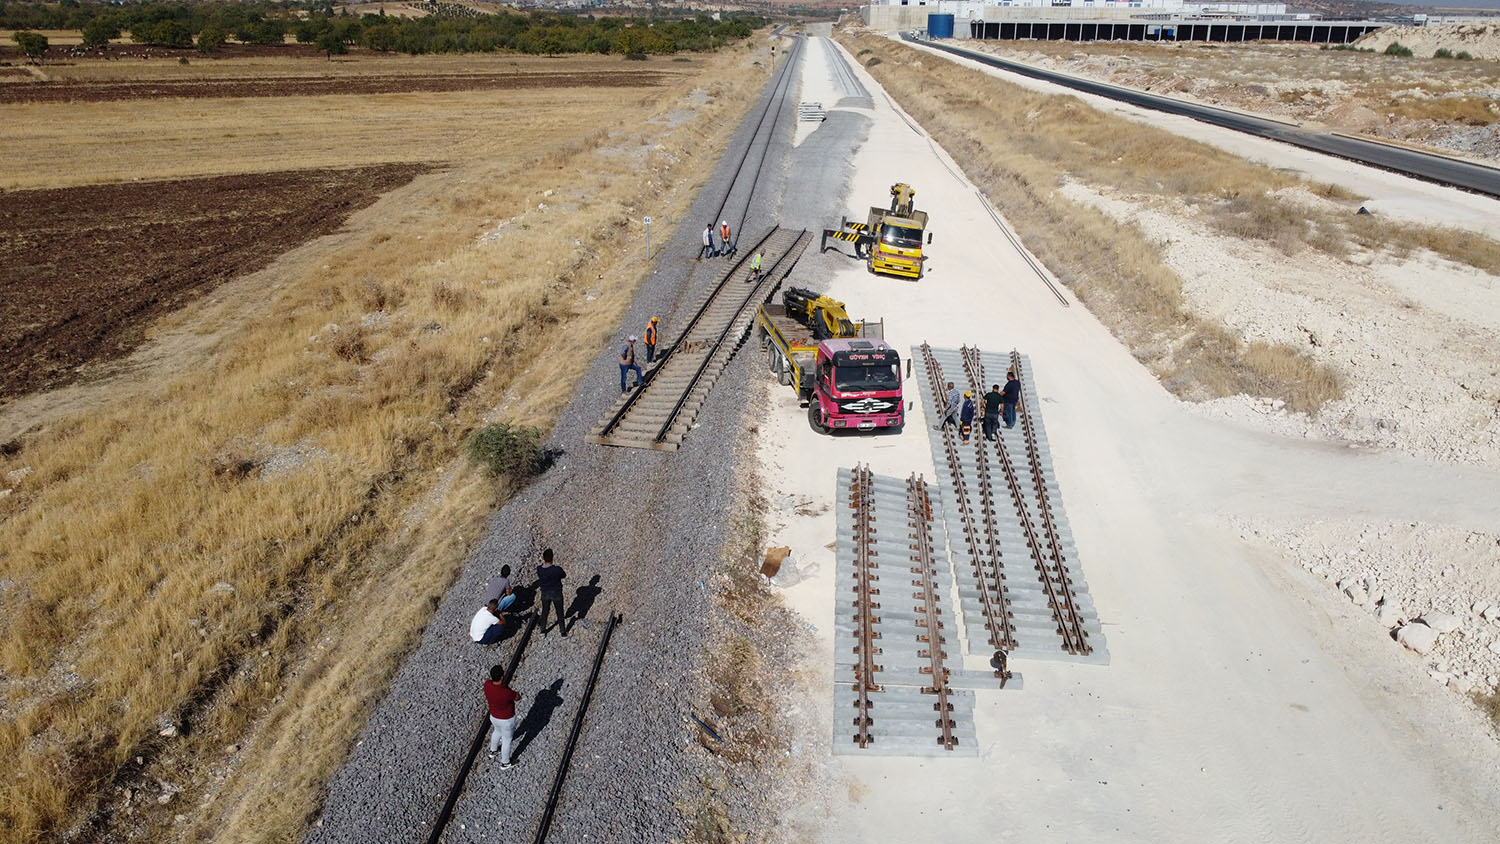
[[760, 284], [861, 492], [1049, 529], [1036, 267], [445, 814], [660, 363], [975, 372], [1057, 599], [779, 90], [994, 603], [919, 515], [583, 707]]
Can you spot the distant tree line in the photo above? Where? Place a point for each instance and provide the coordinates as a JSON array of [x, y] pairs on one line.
[[210, 25]]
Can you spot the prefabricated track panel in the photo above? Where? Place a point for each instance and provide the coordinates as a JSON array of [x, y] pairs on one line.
[[1047, 616], [900, 700]]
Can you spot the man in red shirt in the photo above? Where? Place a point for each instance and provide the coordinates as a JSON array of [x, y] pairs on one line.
[[502, 700]]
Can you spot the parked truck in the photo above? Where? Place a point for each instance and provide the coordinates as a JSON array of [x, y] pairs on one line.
[[890, 240], [851, 381]]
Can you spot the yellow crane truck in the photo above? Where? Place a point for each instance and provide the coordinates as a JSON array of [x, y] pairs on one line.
[[841, 369], [891, 239]]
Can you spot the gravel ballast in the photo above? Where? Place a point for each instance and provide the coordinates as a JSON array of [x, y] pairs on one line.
[[651, 525]]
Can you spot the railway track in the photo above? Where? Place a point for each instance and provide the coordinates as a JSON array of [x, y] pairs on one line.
[[659, 413], [980, 529], [930, 621], [1015, 472], [461, 776], [561, 776], [456, 789], [404, 743], [760, 143], [1046, 550], [893, 671]]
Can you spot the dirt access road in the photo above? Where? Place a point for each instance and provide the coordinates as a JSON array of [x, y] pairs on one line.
[[1243, 702]]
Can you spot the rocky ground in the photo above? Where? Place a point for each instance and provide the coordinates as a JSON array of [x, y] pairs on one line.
[[1480, 40], [1433, 588], [1445, 104]]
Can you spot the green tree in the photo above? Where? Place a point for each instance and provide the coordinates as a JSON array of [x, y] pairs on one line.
[[307, 32], [168, 33], [211, 38], [629, 41], [383, 38], [329, 42], [98, 31], [33, 44], [264, 32]]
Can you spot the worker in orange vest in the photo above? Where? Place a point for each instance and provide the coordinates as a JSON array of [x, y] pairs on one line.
[[651, 339], [728, 242]]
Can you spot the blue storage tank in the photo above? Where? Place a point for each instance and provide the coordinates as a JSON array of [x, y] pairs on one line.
[[940, 26]]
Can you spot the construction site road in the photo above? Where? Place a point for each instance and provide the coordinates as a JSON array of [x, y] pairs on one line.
[[1422, 165]]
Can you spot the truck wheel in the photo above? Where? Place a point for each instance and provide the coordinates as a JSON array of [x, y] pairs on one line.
[[783, 370], [815, 417]]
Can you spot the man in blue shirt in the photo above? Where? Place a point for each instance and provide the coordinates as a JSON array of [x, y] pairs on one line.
[[549, 589], [627, 363], [1011, 397]]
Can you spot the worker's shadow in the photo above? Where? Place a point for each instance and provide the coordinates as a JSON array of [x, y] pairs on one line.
[[583, 601], [525, 599], [537, 717]]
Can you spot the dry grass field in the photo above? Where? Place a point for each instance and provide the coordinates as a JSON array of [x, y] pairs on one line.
[[1025, 149], [57, 144], [1018, 145], [1444, 104], [209, 569]]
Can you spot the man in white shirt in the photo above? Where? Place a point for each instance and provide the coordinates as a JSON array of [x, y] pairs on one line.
[[488, 624]]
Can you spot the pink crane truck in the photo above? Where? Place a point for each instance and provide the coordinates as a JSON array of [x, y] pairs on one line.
[[849, 383], [856, 384]]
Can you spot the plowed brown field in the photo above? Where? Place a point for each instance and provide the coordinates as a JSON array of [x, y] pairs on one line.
[[84, 270], [73, 91]]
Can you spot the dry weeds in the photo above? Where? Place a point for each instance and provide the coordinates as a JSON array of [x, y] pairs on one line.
[[1431, 102], [1018, 145], [64, 144], [149, 582]]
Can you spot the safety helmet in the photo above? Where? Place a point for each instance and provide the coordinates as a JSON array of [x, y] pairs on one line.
[[656, 319], [968, 395]]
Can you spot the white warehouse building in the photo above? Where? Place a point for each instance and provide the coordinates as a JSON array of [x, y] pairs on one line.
[[912, 14]]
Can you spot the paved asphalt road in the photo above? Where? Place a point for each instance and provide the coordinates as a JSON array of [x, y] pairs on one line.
[[1432, 168]]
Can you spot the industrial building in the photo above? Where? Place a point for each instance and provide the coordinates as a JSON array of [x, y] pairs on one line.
[[1106, 20]]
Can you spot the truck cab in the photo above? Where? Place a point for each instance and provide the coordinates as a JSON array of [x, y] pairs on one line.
[[856, 385], [897, 242]]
